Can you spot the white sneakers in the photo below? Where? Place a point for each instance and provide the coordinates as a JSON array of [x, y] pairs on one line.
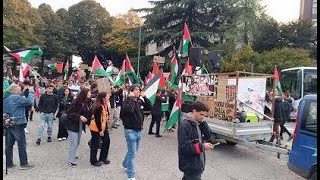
[[59, 139]]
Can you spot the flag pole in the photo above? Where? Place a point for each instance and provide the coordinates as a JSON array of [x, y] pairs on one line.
[[37, 74]]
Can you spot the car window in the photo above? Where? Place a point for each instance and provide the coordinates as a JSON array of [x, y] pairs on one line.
[[310, 119]]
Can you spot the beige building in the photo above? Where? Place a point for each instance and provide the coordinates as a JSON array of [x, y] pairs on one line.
[[308, 11]]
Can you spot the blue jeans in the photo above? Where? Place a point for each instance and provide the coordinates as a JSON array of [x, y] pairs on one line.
[[74, 141], [13, 134], [133, 140], [45, 119]]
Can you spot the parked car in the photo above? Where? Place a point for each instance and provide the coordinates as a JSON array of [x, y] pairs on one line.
[[303, 155]]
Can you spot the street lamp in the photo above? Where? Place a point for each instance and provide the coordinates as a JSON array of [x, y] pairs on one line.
[[138, 72]]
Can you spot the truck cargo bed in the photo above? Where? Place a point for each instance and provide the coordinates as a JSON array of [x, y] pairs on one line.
[[241, 131]]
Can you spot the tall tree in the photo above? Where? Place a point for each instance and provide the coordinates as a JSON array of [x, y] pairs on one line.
[[20, 22], [244, 23], [89, 21], [267, 35], [164, 22], [297, 34], [120, 40], [53, 32]]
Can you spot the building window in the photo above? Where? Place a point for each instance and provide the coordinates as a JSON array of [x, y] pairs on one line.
[[314, 22], [314, 8], [310, 119]]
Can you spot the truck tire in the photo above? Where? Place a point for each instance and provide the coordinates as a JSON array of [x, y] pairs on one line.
[[230, 143]]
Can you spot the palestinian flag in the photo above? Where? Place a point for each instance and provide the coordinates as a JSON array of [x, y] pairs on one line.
[[155, 68], [187, 68], [78, 75], [204, 70], [176, 110], [173, 72], [24, 69], [66, 71], [120, 78], [162, 83], [150, 76], [27, 55], [56, 66], [131, 74], [277, 80], [151, 88], [185, 41], [109, 71], [97, 68]]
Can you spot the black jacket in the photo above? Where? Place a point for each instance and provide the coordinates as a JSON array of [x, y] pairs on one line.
[[172, 99], [48, 103], [64, 105], [156, 108], [191, 161], [279, 111], [74, 113], [131, 113], [116, 98]]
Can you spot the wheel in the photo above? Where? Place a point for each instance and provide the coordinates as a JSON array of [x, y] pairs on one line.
[[230, 143]]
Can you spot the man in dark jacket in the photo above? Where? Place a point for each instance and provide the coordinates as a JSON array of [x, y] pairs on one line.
[[132, 119], [279, 116], [156, 113], [48, 105], [115, 102], [192, 134], [287, 109]]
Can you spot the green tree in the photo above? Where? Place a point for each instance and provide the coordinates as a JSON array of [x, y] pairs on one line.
[[243, 24], [70, 48], [164, 22], [120, 41], [89, 21], [267, 35], [53, 33], [283, 58], [21, 24], [298, 34], [241, 60]]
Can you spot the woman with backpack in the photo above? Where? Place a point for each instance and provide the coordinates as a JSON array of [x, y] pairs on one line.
[[64, 105]]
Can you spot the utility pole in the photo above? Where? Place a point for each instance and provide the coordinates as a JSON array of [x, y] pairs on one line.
[[138, 69]]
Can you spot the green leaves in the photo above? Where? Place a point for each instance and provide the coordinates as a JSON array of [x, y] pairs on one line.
[[264, 62]]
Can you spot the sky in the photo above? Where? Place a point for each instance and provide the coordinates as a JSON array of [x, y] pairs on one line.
[[281, 10]]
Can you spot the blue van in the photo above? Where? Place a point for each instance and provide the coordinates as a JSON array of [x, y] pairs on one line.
[[303, 155]]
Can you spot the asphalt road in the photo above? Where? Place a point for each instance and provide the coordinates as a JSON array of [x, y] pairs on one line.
[[157, 159]]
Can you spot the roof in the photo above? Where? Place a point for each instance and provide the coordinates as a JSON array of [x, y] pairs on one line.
[[296, 68], [310, 97]]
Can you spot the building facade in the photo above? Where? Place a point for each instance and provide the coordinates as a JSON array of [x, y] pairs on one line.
[[308, 11]]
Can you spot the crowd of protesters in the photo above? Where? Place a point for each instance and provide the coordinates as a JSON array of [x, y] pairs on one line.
[[81, 104]]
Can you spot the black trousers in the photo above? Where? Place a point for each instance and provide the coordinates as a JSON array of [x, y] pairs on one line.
[[95, 138], [283, 129], [27, 114], [62, 131], [155, 119], [191, 176]]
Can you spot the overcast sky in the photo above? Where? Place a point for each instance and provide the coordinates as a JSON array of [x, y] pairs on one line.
[[281, 10]]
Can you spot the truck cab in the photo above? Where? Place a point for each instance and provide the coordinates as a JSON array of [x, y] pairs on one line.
[[303, 155]]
